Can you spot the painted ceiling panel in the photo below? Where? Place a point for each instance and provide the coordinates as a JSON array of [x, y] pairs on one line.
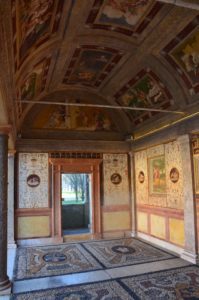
[[90, 65], [33, 83], [145, 90], [183, 54], [33, 23], [129, 17]]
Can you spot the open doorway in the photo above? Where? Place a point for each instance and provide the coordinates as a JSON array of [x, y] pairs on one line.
[[76, 203]]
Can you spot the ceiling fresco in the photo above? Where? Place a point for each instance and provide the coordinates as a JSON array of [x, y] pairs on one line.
[[90, 65], [74, 118], [135, 53], [33, 23], [183, 54], [33, 83], [145, 90], [129, 17]]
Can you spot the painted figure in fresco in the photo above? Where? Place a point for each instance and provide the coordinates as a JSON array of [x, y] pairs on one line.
[[186, 54], [156, 175], [32, 84], [28, 87], [154, 93], [124, 12], [89, 66], [35, 16]]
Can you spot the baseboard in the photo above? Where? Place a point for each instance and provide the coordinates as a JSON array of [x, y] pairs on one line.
[[116, 234], [160, 243], [40, 242]]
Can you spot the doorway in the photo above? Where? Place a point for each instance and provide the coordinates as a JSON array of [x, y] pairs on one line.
[[90, 167], [76, 203]]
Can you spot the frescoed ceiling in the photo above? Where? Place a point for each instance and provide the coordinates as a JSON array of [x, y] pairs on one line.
[[98, 53]]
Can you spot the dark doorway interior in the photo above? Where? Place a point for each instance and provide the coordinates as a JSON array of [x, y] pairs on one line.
[[76, 194]]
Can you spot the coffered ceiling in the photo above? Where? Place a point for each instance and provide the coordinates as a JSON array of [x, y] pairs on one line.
[[133, 53]]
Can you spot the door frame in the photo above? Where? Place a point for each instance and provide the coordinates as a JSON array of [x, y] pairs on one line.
[[70, 165]]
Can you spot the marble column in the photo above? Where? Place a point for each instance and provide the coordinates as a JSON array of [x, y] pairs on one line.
[[4, 280], [11, 241], [189, 253], [132, 193]]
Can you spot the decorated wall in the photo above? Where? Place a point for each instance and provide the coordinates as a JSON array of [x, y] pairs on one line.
[[33, 212], [195, 151], [116, 201], [159, 192]]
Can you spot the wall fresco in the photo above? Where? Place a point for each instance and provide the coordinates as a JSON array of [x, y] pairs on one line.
[[115, 194], [195, 149], [74, 118], [174, 188], [124, 16], [146, 91], [34, 195], [183, 54], [90, 65], [141, 187], [153, 192], [157, 175]]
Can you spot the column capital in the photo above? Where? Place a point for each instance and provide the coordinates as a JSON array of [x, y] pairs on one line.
[[11, 153], [5, 130], [185, 138]]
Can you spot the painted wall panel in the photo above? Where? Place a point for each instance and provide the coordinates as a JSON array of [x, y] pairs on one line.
[[142, 221], [176, 230], [158, 226], [33, 226], [115, 193], [116, 221], [33, 180]]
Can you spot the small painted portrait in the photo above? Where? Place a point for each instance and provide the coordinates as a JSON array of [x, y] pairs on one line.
[[157, 179], [141, 177], [33, 180], [174, 175], [116, 178]]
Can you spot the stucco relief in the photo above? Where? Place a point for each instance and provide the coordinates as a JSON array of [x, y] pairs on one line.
[[115, 194], [141, 187], [174, 189], [33, 196]]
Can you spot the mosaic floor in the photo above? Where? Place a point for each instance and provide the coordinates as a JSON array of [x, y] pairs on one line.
[[53, 260], [107, 269], [181, 283], [123, 252], [82, 257]]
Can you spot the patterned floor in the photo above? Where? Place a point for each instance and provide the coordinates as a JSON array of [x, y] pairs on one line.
[[123, 252], [53, 260], [181, 283], [71, 258]]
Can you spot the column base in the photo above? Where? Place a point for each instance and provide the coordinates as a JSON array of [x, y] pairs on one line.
[[189, 256], [5, 286]]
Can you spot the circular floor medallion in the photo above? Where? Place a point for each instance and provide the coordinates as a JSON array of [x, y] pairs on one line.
[[123, 249], [54, 257]]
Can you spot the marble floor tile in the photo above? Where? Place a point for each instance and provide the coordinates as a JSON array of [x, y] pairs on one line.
[[146, 268], [56, 281]]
